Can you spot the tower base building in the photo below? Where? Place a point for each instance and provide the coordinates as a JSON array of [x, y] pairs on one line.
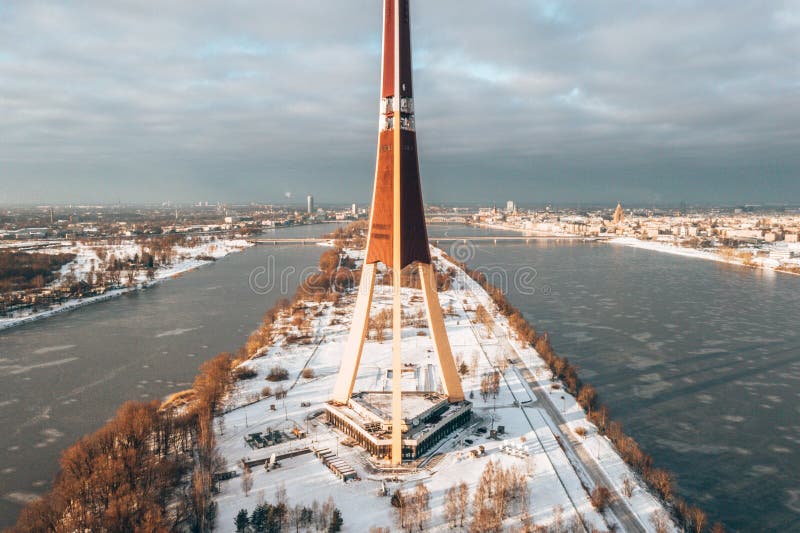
[[428, 417]]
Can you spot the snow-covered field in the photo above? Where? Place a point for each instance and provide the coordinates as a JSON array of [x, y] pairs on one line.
[[557, 481], [656, 246], [709, 254], [186, 259]]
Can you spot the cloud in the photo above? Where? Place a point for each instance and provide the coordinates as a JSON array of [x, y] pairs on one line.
[[547, 100]]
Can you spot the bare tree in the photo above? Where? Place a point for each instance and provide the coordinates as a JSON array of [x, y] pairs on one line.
[[660, 521], [698, 518], [247, 480], [422, 505], [463, 502], [280, 495], [482, 513], [490, 385], [558, 518], [451, 510], [474, 363], [379, 322], [326, 512], [404, 504], [600, 497], [524, 496], [627, 486], [131, 276], [501, 362]]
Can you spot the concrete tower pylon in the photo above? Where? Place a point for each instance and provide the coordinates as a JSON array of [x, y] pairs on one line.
[[398, 236]]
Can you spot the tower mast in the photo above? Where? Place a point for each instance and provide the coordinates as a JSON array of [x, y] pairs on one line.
[[397, 262], [397, 236]]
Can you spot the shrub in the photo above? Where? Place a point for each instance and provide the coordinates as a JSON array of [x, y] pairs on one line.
[[266, 392], [600, 497], [278, 373], [308, 373], [580, 431], [244, 372]]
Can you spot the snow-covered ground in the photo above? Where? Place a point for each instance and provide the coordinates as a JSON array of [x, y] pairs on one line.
[[711, 254], [557, 482], [185, 259]]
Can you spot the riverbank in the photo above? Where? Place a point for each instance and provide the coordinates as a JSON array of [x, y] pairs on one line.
[[192, 258], [709, 254]]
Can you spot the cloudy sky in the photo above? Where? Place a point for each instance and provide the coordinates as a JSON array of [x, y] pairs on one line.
[[535, 100]]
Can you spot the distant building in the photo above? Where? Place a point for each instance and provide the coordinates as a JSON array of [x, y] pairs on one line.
[[511, 206], [744, 235], [619, 214], [354, 210], [310, 204], [772, 236]]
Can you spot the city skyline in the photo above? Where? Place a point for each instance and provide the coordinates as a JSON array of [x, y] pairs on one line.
[[557, 102]]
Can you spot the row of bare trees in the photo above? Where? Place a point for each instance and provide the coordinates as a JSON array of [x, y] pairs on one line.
[[490, 385], [413, 507], [353, 235], [500, 493]]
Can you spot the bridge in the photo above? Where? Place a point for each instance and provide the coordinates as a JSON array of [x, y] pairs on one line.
[[287, 240], [476, 239], [447, 219]]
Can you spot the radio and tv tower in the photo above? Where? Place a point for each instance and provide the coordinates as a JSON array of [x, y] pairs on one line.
[[397, 233]]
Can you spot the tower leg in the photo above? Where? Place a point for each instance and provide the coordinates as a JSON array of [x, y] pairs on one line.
[[355, 340], [441, 344], [397, 371]]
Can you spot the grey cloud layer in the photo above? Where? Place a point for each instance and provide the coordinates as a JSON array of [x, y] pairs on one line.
[[555, 101]]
